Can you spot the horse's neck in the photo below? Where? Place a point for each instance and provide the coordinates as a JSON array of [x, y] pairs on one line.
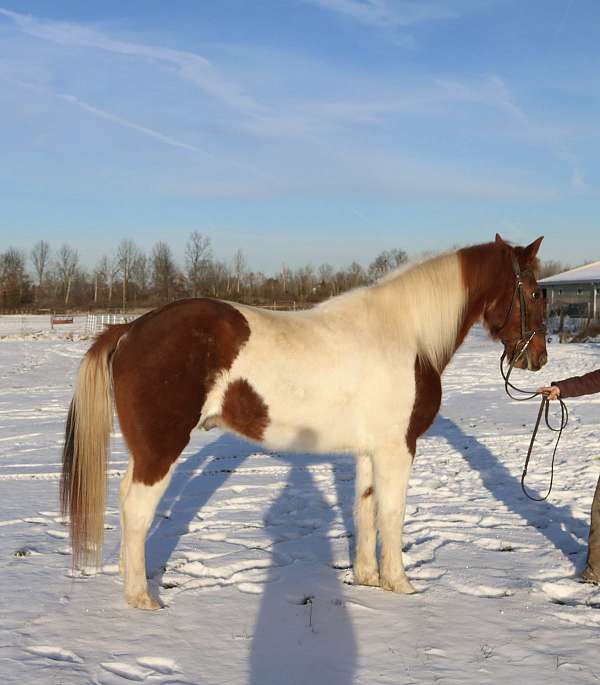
[[424, 305], [481, 269]]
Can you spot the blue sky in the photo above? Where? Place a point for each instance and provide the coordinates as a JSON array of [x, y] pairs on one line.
[[301, 130]]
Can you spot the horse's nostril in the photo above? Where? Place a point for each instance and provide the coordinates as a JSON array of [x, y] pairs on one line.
[[543, 358]]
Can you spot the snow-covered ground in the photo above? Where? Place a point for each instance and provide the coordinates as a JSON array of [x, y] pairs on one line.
[[35, 326], [251, 551]]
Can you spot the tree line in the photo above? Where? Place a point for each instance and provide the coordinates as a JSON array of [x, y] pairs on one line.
[[129, 277]]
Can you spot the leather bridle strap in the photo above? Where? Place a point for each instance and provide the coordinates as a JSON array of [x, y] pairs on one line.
[[508, 386]]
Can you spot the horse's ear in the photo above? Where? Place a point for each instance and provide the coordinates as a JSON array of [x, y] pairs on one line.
[[499, 240], [532, 250]]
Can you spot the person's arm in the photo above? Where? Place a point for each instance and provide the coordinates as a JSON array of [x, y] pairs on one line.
[[573, 387]]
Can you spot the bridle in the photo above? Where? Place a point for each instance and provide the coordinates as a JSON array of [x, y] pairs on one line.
[[521, 346], [525, 337]]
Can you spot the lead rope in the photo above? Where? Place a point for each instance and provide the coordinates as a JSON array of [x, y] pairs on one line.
[[543, 410], [564, 419]]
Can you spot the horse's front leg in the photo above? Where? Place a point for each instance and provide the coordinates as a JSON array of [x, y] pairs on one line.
[[365, 562], [391, 472]]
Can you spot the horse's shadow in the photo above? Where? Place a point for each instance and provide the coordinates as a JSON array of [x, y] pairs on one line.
[[556, 523], [286, 631], [190, 489]]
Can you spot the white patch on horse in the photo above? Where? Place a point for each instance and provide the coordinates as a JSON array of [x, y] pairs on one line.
[[341, 378], [138, 505]]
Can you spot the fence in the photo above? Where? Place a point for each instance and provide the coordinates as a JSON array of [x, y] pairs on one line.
[[98, 322]]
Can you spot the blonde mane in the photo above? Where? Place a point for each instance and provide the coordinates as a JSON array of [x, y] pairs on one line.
[[420, 303]]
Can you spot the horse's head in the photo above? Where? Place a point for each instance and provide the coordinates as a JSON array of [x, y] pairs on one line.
[[516, 315]]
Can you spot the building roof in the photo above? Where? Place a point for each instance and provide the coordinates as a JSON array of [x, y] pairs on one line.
[[582, 274]]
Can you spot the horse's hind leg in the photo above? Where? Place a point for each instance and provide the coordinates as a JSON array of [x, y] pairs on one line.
[[139, 506], [123, 490], [365, 563], [392, 469]]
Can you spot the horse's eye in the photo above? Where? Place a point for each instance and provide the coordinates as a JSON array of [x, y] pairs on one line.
[[535, 294]]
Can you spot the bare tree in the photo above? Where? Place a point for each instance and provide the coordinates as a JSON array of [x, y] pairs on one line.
[[386, 262], [67, 260], [197, 261], [105, 274], [140, 274], [149, 279], [163, 270], [305, 281], [100, 277], [13, 278], [356, 275], [327, 279], [40, 256], [239, 269], [285, 277], [127, 253], [218, 277], [551, 268]]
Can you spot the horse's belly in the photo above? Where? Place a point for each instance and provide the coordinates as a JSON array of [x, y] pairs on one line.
[[309, 433]]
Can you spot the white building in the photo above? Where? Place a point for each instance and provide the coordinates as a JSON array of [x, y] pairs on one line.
[[576, 292]]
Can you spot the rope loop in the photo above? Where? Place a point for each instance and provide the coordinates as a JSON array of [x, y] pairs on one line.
[[564, 420], [544, 410]]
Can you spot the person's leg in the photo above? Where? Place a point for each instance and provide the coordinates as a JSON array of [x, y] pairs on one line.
[[592, 567]]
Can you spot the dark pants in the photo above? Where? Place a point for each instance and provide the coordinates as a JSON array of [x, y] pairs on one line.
[[592, 568]]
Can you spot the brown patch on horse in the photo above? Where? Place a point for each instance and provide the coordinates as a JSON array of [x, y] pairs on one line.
[[162, 372], [485, 270], [428, 397], [368, 492], [244, 410]]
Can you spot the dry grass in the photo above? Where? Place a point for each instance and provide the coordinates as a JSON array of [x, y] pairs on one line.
[[591, 330]]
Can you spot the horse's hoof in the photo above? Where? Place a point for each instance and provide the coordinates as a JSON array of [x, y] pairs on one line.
[[589, 576], [401, 584], [143, 600], [366, 577]]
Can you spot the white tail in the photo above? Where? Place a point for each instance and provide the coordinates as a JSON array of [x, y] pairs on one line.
[[85, 453]]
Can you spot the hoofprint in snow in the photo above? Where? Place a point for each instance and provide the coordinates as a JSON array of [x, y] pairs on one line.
[[250, 551]]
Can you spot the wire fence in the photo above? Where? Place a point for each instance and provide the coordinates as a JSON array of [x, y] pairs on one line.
[[95, 323]]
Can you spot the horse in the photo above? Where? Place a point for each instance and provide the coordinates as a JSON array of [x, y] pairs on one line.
[[359, 373]]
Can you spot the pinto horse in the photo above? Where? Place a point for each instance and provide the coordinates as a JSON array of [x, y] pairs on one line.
[[359, 373]]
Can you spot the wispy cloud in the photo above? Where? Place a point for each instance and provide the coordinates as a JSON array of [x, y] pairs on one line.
[[190, 66], [433, 98], [246, 168], [108, 116], [491, 91], [323, 124], [151, 133], [388, 13]]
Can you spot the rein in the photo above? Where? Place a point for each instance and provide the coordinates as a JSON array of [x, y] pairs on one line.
[[544, 411], [521, 395]]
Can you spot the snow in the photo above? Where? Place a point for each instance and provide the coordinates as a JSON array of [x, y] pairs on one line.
[[36, 326], [251, 551]]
